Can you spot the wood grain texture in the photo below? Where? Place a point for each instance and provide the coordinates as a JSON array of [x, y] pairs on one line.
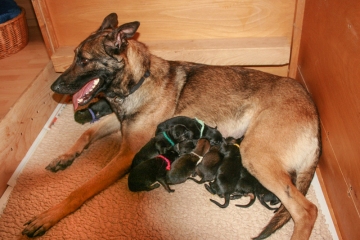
[[65, 25], [19, 70], [46, 27], [169, 20], [242, 51], [329, 62], [296, 38], [24, 121]]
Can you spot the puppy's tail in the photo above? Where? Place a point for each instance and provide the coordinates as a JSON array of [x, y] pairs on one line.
[[281, 217]]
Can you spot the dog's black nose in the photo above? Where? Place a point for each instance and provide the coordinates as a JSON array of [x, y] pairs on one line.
[[57, 86]]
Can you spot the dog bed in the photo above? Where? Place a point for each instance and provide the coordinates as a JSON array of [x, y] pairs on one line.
[[117, 213]]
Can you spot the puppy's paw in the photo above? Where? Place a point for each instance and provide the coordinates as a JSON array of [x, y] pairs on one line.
[[209, 189], [60, 163]]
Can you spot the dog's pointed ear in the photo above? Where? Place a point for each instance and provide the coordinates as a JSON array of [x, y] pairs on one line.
[[124, 32], [109, 22], [116, 41], [129, 29]]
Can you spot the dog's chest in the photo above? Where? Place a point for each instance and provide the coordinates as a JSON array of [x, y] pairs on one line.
[[118, 106]]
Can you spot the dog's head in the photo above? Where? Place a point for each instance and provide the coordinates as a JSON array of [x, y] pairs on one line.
[[99, 61]]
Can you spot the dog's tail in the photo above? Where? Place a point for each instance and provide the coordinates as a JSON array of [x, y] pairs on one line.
[[281, 217]]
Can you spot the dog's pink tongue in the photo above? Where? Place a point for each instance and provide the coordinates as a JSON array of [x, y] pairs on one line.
[[81, 93], [75, 100]]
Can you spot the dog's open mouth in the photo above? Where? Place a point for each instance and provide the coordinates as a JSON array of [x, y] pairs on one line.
[[86, 93]]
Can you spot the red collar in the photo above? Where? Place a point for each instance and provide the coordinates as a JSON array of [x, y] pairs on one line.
[[168, 163]]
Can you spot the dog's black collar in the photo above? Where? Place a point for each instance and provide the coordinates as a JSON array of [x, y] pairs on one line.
[[132, 90], [136, 86]]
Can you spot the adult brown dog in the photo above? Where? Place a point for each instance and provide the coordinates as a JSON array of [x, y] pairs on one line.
[[276, 115]]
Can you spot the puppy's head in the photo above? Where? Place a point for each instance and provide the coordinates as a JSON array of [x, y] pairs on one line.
[[181, 133], [185, 147], [214, 136]]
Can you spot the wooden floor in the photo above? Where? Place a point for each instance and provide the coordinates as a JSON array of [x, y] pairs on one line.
[[18, 71]]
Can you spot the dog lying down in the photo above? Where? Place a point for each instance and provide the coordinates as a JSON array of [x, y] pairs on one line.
[[276, 116]]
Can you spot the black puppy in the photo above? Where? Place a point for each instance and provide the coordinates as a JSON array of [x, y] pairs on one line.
[[198, 127], [228, 174], [209, 165], [162, 142], [143, 177], [185, 147], [94, 112], [184, 166], [248, 185]]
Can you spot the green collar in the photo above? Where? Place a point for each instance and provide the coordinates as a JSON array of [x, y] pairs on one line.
[[168, 138], [202, 126]]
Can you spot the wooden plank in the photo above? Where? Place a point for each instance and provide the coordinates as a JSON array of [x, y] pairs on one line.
[[72, 21], [242, 51], [297, 31], [46, 26], [24, 121], [15, 79], [328, 61], [277, 70]]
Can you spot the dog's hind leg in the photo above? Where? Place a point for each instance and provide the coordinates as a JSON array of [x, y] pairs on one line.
[[106, 126], [294, 205]]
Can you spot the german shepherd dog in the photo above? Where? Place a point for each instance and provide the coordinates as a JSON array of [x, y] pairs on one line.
[[276, 116]]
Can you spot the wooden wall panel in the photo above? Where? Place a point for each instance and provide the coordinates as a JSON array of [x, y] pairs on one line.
[[329, 63], [169, 20]]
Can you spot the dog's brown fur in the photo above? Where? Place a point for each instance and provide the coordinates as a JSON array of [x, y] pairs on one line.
[[275, 114]]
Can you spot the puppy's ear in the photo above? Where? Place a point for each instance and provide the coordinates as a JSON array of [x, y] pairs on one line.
[[109, 22], [116, 41]]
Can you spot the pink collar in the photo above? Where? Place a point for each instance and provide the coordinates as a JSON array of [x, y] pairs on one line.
[[168, 163]]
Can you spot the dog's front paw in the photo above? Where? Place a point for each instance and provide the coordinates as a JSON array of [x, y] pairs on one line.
[[61, 162], [36, 227]]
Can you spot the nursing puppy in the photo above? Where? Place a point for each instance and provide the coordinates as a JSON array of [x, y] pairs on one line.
[[185, 165], [185, 147], [198, 127], [248, 185], [227, 175], [277, 116], [162, 142], [209, 165], [143, 177], [93, 112]]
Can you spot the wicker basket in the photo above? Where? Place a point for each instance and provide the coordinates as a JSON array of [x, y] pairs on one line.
[[13, 35]]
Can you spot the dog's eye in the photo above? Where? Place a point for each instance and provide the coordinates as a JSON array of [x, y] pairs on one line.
[[83, 61]]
